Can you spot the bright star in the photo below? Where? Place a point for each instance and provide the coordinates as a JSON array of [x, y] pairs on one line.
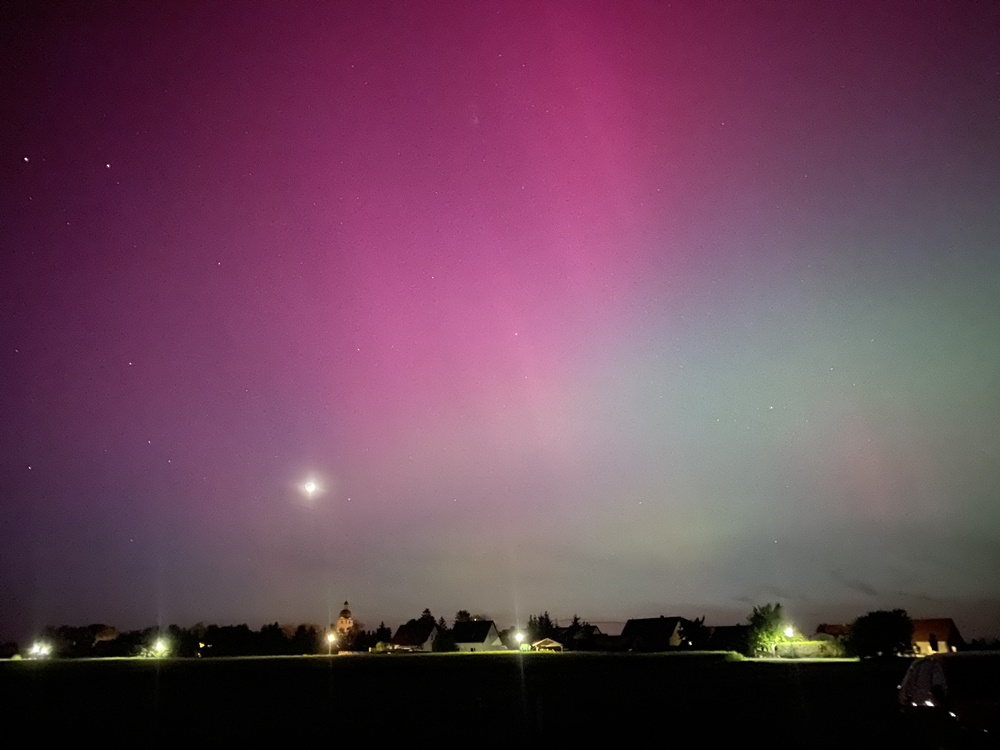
[[314, 486], [310, 488]]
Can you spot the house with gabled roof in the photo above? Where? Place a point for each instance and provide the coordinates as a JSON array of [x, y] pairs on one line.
[[653, 633], [935, 636], [477, 635], [416, 635], [582, 636]]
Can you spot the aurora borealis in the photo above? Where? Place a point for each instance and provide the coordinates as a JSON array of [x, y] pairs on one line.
[[618, 309]]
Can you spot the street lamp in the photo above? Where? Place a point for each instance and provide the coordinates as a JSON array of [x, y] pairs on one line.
[[330, 638], [789, 632]]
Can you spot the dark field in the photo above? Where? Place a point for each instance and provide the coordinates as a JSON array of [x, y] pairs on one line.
[[696, 699]]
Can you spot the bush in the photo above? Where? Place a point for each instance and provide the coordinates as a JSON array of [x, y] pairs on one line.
[[810, 650]]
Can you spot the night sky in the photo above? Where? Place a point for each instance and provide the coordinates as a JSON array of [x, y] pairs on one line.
[[610, 308]]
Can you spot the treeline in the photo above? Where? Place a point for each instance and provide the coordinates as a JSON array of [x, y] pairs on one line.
[[99, 640]]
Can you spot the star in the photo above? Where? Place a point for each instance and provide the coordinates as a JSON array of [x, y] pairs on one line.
[[310, 488]]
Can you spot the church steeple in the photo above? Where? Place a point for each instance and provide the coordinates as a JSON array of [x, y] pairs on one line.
[[345, 623]]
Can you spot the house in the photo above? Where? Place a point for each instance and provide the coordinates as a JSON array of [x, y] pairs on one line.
[[935, 636], [653, 633], [477, 635], [415, 635], [582, 636], [546, 644]]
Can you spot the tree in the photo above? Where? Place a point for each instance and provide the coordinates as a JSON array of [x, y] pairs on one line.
[[362, 640], [445, 640], [695, 633], [305, 640], [129, 643], [353, 639], [881, 633], [579, 635], [183, 641], [546, 629], [765, 628], [532, 628], [271, 640], [463, 616]]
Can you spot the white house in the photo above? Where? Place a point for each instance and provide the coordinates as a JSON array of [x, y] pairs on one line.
[[477, 635]]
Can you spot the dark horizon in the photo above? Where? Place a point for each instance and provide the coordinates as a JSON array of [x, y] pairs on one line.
[[608, 626], [644, 307]]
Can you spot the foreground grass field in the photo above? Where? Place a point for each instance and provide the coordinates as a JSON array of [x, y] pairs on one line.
[[478, 698]]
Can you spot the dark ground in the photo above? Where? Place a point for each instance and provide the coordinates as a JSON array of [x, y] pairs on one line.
[[475, 698]]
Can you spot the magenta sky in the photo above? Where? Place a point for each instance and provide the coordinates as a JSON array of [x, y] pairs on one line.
[[613, 308]]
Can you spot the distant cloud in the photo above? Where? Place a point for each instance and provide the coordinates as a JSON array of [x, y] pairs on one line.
[[780, 593], [854, 584], [917, 596]]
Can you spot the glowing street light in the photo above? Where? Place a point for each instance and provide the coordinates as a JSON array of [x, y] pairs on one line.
[[40, 650], [160, 647], [789, 632], [330, 638]]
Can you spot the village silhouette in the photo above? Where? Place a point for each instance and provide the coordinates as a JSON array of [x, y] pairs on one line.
[[767, 633]]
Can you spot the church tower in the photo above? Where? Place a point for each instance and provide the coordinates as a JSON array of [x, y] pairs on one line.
[[345, 623]]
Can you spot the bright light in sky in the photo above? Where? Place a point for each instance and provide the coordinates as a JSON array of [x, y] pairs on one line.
[[310, 488]]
